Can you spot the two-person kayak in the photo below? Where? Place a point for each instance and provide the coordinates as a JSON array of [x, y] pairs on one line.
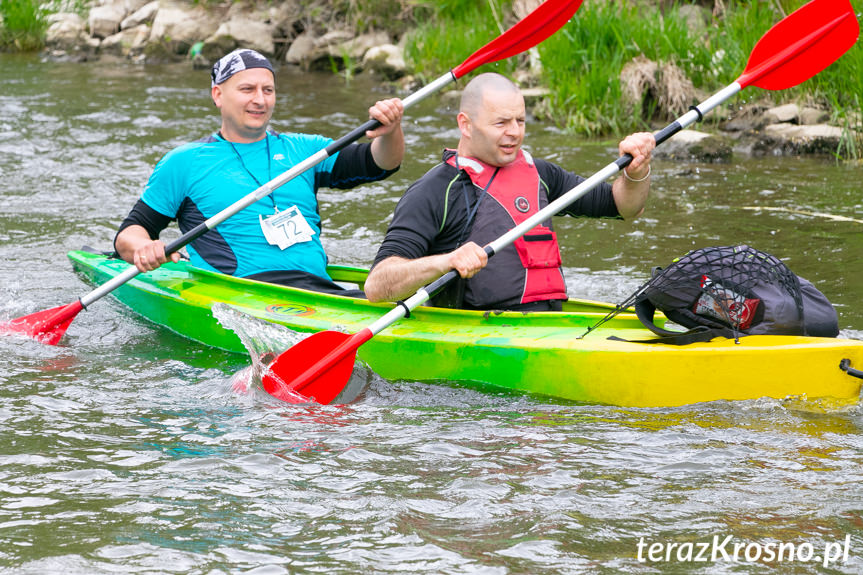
[[537, 353]]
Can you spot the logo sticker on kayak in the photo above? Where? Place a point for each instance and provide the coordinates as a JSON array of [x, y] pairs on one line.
[[290, 309]]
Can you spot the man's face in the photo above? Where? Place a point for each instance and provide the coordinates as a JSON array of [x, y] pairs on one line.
[[495, 132], [246, 100]]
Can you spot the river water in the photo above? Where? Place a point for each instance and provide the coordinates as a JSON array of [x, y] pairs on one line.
[[124, 449]]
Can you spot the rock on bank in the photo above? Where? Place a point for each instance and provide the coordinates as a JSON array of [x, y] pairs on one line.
[[170, 30]]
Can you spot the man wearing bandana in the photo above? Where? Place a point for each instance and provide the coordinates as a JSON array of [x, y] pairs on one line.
[[276, 239]]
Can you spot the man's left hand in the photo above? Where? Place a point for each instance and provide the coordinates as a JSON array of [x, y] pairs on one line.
[[638, 145], [389, 113]]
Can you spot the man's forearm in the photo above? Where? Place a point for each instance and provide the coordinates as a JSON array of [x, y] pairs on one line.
[[129, 240], [388, 150], [630, 197], [395, 277]]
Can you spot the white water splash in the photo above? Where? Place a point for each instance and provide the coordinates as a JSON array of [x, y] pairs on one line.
[[265, 341]]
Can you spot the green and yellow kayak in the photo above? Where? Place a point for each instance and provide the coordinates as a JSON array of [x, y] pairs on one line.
[[537, 353]]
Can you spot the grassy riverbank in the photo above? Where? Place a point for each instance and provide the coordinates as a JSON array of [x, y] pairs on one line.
[[582, 63], [693, 53]]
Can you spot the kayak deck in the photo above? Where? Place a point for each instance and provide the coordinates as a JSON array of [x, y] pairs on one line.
[[540, 353]]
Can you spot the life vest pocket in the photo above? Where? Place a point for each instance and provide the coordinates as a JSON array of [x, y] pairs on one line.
[[538, 249]]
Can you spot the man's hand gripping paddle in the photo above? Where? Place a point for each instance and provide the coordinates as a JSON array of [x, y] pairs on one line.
[[795, 49], [48, 326]]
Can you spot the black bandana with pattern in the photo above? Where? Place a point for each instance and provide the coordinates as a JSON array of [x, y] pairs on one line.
[[237, 61]]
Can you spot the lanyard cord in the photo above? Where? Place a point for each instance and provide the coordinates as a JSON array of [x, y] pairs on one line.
[[248, 171], [471, 214]]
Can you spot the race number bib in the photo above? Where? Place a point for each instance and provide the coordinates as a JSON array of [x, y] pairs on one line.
[[286, 228]]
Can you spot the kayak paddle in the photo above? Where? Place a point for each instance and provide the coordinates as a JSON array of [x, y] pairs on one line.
[[48, 326], [795, 49]]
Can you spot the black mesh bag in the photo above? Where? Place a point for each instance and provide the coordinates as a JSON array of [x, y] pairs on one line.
[[732, 291]]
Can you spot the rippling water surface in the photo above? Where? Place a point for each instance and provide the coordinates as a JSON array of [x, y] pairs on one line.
[[127, 450]]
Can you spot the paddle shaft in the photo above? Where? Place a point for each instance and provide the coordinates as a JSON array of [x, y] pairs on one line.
[[266, 189], [425, 293], [696, 113]]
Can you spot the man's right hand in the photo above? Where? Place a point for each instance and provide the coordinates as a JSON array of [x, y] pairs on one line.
[[152, 255], [135, 247], [468, 259], [396, 277]]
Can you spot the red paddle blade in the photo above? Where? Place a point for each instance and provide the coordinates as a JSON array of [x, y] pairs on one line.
[[544, 21], [316, 369], [801, 45], [46, 326]]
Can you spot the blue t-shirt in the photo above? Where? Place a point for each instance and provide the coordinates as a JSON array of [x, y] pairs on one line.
[[197, 180]]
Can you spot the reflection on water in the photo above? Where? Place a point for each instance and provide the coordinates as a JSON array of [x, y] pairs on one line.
[[126, 449]]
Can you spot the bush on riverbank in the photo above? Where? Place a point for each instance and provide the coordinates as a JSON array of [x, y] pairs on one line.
[[22, 25]]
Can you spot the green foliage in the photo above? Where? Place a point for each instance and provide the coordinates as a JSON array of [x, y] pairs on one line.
[[583, 61], [453, 30], [343, 66], [23, 25], [581, 64]]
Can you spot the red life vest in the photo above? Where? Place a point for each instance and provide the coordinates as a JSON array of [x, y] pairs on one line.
[[529, 269]]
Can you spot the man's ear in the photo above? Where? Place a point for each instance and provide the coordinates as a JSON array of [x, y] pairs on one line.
[[464, 124], [216, 93]]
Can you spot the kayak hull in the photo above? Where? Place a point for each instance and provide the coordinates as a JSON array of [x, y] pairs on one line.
[[537, 353]]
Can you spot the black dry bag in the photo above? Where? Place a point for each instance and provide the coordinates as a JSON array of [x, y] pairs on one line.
[[733, 291]]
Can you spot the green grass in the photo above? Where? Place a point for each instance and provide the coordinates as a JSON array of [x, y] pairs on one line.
[[582, 62], [449, 32], [23, 25]]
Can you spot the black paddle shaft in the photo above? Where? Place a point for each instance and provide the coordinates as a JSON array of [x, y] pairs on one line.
[[660, 136], [353, 136], [336, 146], [440, 283]]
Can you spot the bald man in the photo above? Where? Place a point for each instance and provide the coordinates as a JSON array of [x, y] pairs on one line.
[[481, 190]]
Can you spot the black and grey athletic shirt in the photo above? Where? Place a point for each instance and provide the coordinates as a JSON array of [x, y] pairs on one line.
[[430, 218]]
